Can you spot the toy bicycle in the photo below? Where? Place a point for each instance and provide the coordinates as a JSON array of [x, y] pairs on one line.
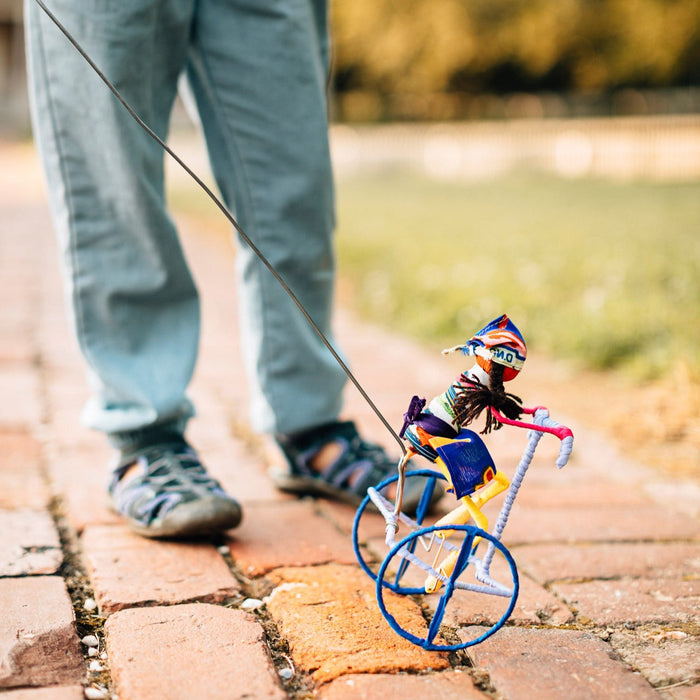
[[451, 561]]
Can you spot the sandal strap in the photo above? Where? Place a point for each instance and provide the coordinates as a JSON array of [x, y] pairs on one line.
[[361, 464]]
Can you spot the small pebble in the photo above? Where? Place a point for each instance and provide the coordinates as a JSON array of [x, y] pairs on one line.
[[92, 693], [663, 636], [90, 640], [251, 604], [95, 666], [223, 549], [286, 673], [92, 651], [90, 604]]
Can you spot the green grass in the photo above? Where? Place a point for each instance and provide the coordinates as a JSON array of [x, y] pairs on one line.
[[605, 274]]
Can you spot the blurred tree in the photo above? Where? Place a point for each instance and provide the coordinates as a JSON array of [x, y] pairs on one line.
[[422, 47], [401, 45], [638, 43]]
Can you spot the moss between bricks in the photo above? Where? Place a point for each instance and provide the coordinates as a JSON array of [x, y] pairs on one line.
[[299, 686], [79, 590]]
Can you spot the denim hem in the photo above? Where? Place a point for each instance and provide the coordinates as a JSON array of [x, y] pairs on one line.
[[130, 441]]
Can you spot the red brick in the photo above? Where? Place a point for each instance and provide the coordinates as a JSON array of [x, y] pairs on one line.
[[232, 462], [189, 651], [449, 685], [66, 692], [682, 493], [286, 534], [20, 289], [546, 664], [21, 382], [67, 391], [684, 693], [21, 184], [343, 516], [535, 605], [597, 523], [21, 483], [555, 493], [607, 560], [29, 543], [330, 617], [80, 474], [663, 656], [127, 570], [635, 600], [38, 642], [16, 342], [59, 347]]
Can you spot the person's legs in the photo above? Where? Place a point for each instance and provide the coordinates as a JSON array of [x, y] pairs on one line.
[[134, 303], [258, 70]]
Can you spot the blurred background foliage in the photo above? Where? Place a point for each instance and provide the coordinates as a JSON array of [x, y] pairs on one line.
[[417, 59], [620, 256], [604, 274]]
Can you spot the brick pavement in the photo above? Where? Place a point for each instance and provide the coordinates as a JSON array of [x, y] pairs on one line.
[[609, 567]]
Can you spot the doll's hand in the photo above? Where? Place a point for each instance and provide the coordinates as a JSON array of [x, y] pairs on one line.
[[450, 351]]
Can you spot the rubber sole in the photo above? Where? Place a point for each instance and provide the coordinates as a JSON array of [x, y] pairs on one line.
[[196, 519], [309, 486]]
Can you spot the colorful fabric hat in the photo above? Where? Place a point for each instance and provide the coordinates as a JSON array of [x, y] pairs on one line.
[[501, 342]]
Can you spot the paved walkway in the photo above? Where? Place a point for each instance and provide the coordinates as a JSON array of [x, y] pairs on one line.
[[609, 567]]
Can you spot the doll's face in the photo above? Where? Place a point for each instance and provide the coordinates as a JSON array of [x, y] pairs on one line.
[[508, 372], [501, 342]]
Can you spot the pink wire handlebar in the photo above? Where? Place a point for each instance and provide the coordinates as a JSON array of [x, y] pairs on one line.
[[561, 431]]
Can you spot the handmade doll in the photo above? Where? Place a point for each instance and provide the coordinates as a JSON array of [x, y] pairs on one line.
[[437, 431]]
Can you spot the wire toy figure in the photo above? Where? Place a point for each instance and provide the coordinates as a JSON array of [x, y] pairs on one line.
[[456, 558]]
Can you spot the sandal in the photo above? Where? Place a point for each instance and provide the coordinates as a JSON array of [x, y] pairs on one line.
[[360, 465], [164, 491]]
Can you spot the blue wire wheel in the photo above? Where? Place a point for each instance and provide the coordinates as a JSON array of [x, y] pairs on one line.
[[367, 508], [480, 583]]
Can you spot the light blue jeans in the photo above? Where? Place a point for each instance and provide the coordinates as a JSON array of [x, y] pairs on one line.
[[258, 71]]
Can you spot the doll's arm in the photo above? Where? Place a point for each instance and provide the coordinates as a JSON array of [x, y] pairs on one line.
[[561, 431]]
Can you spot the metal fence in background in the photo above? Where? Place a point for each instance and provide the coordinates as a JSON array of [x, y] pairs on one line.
[[652, 147]]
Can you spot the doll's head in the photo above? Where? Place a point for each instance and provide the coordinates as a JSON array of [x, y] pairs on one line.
[[501, 343], [500, 350]]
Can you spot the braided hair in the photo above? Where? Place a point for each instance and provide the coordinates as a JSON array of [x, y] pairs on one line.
[[477, 397]]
